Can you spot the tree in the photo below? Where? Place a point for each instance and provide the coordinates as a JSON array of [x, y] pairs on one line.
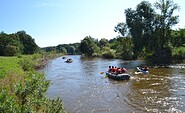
[[63, 50], [71, 50], [10, 41], [87, 46], [10, 50], [121, 28], [165, 20], [28, 42], [140, 25], [3, 42], [124, 48], [178, 37], [103, 43]]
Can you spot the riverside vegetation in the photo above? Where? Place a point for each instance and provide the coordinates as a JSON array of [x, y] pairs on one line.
[[23, 89]]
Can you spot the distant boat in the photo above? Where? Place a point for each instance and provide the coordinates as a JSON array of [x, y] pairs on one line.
[[140, 71], [69, 60], [63, 57]]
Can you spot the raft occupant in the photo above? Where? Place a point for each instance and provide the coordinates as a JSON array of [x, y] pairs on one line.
[[118, 71], [110, 69], [123, 70], [145, 68]]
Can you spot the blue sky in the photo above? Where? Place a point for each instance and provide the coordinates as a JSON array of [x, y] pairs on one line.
[[53, 22]]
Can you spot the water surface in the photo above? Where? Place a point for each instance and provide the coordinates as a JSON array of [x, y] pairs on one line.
[[84, 90]]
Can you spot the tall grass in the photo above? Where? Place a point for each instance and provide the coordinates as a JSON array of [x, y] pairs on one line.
[[9, 65]]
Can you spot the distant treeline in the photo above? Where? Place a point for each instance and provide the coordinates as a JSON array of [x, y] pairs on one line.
[[16, 44], [70, 49]]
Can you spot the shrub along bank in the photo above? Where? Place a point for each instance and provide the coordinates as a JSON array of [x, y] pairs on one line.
[[23, 89]]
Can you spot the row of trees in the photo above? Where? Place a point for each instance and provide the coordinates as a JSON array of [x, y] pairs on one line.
[[71, 49], [150, 28], [147, 33], [17, 43], [119, 47]]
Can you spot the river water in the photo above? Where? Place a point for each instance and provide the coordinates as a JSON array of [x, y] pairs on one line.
[[84, 89]]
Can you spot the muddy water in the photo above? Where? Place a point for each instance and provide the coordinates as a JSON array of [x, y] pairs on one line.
[[84, 90]]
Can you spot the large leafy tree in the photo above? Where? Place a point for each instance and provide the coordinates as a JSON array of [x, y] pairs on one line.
[[165, 20], [124, 48], [150, 31], [178, 37], [103, 43], [140, 25], [87, 46], [10, 41], [10, 50], [29, 45], [121, 28]]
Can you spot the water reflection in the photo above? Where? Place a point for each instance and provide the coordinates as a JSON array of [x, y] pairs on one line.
[[84, 90]]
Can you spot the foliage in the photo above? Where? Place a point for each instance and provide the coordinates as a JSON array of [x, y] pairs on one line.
[[165, 20], [25, 91], [121, 28], [125, 48], [88, 46], [178, 53], [9, 65], [64, 48], [108, 53], [140, 22], [178, 37], [10, 50], [17, 43], [160, 57], [103, 43], [150, 31], [26, 64], [29, 96], [28, 42]]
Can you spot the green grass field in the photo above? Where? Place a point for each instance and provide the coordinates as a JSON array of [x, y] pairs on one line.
[[9, 65]]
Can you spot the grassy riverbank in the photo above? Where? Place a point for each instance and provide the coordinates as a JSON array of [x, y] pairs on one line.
[[9, 65], [22, 88]]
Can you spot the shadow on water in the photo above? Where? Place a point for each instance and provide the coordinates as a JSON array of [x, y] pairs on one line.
[[84, 90]]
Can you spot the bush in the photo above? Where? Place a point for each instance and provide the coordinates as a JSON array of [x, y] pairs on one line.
[[162, 56], [108, 54], [178, 53], [10, 50], [27, 64], [29, 97]]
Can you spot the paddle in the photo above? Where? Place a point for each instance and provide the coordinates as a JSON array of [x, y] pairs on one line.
[[101, 72]]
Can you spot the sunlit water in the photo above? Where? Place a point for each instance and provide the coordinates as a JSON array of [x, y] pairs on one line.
[[84, 90]]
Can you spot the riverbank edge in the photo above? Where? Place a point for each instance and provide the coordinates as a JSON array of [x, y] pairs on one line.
[[12, 79]]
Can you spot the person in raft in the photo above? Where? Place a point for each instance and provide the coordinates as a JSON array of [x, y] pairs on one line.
[[144, 69], [115, 70], [112, 69]]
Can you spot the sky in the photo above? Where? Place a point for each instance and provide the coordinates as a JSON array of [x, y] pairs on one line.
[[54, 22]]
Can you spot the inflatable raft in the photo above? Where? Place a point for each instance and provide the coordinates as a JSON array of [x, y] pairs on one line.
[[123, 76]]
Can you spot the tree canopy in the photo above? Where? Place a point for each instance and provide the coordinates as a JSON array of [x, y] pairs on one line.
[[17, 43]]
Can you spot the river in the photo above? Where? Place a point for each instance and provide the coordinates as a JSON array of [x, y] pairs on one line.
[[84, 89]]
